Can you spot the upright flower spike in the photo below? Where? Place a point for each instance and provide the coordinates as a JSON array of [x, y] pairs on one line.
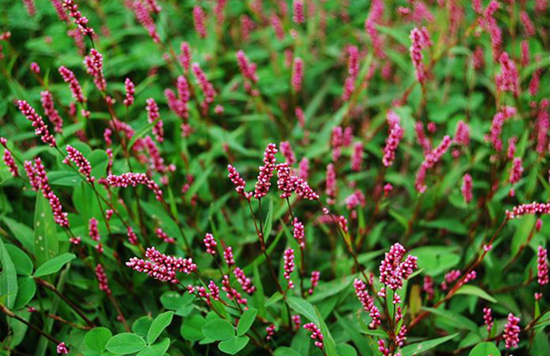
[[40, 128], [240, 184], [244, 281], [232, 293], [198, 19], [297, 74], [462, 134], [488, 318], [62, 349], [298, 12], [315, 276], [542, 266], [206, 87], [289, 266], [287, 152], [467, 188], [93, 230], [508, 79], [490, 25], [84, 167], [429, 162], [228, 256], [393, 270], [515, 172], [79, 20], [315, 334], [394, 137], [511, 332], [210, 244], [162, 267], [144, 18], [49, 110], [8, 158], [298, 233], [102, 279], [375, 17], [41, 179], [185, 56], [357, 157], [331, 187], [420, 39], [94, 67], [130, 92], [164, 236], [506, 113], [152, 116], [266, 172], [74, 85], [31, 174], [248, 69]]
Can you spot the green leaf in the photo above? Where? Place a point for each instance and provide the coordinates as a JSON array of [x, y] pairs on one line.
[[172, 300], [191, 328], [96, 339], [46, 245], [233, 345], [141, 326], [246, 321], [54, 265], [160, 323], [286, 351], [274, 299], [329, 343], [476, 291], [456, 319], [415, 349], [157, 349], [346, 350], [22, 233], [8, 278], [22, 262], [125, 343], [218, 329], [485, 349], [25, 293], [302, 306]]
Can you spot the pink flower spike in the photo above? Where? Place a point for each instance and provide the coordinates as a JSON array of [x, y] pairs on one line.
[[298, 12], [488, 318], [508, 79], [144, 18], [316, 334], [102, 279], [429, 162], [357, 157], [315, 275], [130, 92], [244, 281], [164, 236], [93, 230], [287, 152], [49, 110], [289, 266], [162, 267], [298, 233], [210, 244], [185, 56], [79, 20], [395, 136], [199, 18], [9, 161], [542, 266], [266, 172], [84, 167], [467, 188], [74, 85], [511, 332], [420, 39], [35, 68], [62, 349], [152, 116], [40, 128], [393, 270], [228, 256], [94, 67], [297, 74], [516, 170], [528, 209]]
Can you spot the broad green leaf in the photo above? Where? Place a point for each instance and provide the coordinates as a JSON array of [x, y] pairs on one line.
[[218, 329], [346, 350], [286, 351], [54, 265], [302, 306], [456, 319], [158, 349], [191, 328], [246, 321], [142, 325], [25, 293], [23, 263], [160, 323], [233, 345], [476, 291], [274, 299], [22, 233], [329, 343], [8, 277], [125, 343], [418, 348], [46, 245], [97, 338], [485, 348]]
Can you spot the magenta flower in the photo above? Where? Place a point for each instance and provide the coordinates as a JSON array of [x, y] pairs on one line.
[[214, 290], [8, 158], [528, 209], [506, 113], [511, 332], [31, 174], [303, 169], [270, 329], [488, 318], [395, 136], [297, 74], [94, 67], [542, 266], [298, 233], [357, 157], [542, 125], [429, 162], [266, 172], [228, 256], [79, 20], [428, 287], [210, 244], [289, 266], [185, 56], [162, 267], [130, 92], [490, 25], [203, 83], [420, 39], [74, 85], [516, 170], [508, 79], [40, 128], [248, 69], [240, 184], [35, 68], [315, 276], [102, 279], [144, 18], [315, 334], [49, 110], [133, 179], [467, 188], [528, 25], [375, 17], [298, 12], [297, 321], [164, 236], [277, 27], [287, 152], [244, 281], [62, 349], [423, 141], [450, 278], [232, 293], [393, 270], [93, 230], [84, 167], [152, 116], [462, 134], [199, 18]]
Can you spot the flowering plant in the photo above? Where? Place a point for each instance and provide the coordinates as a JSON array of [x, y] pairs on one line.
[[282, 178]]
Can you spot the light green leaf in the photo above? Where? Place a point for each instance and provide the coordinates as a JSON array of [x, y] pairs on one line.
[[46, 245], [22, 233], [218, 329], [97, 338], [8, 278], [54, 265], [246, 321], [25, 293], [233, 345], [191, 328], [286, 351], [158, 349], [302, 306], [476, 291], [485, 349], [160, 323], [23, 263], [125, 343], [418, 348]]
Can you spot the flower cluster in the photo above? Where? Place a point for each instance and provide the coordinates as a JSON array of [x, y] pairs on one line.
[[94, 67], [266, 172], [162, 267], [40, 128], [528, 209], [79, 20], [315, 334], [102, 279], [164, 236], [69, 78], [393, 271], [368, 302], [244, 281], [210, 244], [429, 162], [542, 266], [420, 39], [84, 167], [511, 332], [126, 179], [289, 266], [46, 99]]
